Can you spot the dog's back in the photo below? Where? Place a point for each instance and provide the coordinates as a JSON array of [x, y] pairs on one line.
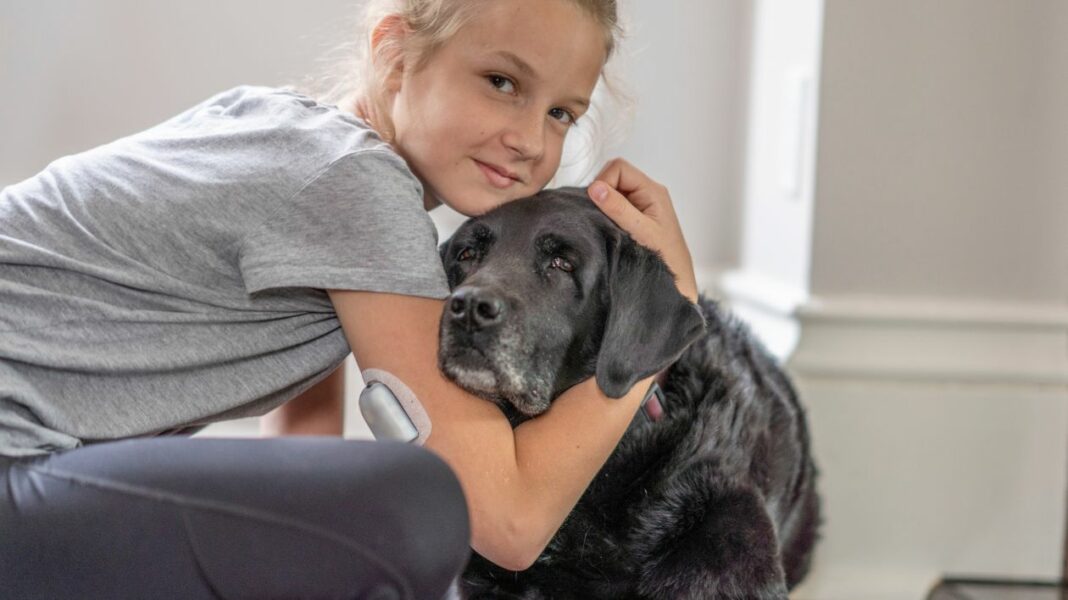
[[754, 427]]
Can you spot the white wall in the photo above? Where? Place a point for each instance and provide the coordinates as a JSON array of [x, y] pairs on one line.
[[74, 74], [772, 277], [782, 141], [687, 64]]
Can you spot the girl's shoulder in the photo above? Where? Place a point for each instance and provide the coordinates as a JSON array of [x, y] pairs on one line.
[[256, 134], [278, 118]]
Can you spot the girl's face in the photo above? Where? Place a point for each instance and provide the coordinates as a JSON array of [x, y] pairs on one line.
[[483, 122]]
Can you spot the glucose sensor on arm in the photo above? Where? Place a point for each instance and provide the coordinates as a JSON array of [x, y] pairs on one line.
[[391, 409]]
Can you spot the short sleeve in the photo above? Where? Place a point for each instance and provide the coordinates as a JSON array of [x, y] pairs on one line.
[[358, 225]]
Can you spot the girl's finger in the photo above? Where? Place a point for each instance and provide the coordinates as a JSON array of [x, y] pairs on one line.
[[630, 181], [619, 209]]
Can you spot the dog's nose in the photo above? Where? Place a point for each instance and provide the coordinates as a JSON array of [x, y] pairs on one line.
[[476, 308]]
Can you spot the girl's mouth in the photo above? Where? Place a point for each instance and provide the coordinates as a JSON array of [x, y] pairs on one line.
[[496, 178]]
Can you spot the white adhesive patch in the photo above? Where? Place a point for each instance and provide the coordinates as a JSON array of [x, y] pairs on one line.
[[407, 399]]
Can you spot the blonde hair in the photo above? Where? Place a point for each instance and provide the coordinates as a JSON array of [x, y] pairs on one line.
[[357, 71]]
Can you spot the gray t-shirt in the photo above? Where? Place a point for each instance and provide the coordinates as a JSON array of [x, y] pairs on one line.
[[175, 277]]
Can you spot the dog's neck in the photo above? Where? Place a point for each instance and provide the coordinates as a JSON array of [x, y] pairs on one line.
[[653, 405]]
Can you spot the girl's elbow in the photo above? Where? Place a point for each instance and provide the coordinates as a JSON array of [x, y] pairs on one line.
[[514, 545], [522, 556], [516, 559]]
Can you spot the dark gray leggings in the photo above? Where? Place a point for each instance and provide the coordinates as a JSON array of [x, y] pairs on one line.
[[298, 517]]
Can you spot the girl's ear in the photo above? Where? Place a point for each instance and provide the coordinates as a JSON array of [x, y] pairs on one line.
[[388, 26], [387, 48]]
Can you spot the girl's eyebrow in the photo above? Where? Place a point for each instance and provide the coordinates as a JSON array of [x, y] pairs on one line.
[[520, 64]]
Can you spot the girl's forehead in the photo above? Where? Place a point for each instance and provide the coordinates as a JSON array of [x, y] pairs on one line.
[[540, 39]]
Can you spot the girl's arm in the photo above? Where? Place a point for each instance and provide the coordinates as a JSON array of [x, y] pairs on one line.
[[318, 411], [519, 485]]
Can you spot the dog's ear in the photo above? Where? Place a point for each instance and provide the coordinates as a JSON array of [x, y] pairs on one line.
[[650, 323], [443, 250], [451, 275]]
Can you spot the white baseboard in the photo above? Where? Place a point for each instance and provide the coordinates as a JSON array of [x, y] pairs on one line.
[[926, 340], [768, 307], [904, 339], [872, 583]]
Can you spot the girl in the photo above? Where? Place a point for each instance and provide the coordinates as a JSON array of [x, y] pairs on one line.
[[225, 262]]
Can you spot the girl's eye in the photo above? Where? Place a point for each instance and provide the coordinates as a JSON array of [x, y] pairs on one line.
[[502, 83], [564, 116], [562, 263], [465, 254]]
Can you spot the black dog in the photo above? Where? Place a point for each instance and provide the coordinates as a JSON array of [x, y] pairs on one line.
[[714, 499]]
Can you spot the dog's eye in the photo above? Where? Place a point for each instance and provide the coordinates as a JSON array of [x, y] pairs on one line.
[[562, 263], [465, 254]]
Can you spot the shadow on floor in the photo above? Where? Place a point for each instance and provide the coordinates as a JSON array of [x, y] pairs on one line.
[[978, 589]]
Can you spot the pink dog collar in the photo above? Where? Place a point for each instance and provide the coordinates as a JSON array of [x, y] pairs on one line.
[[653, 403]]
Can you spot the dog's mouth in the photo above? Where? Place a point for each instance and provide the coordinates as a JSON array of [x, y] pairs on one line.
[[469, 368], [495, 370]]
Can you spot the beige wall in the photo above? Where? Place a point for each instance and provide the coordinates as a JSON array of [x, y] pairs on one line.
[[933, 354], [942, 150]]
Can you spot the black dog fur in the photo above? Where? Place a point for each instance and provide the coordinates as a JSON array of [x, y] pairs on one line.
[[716, 499]]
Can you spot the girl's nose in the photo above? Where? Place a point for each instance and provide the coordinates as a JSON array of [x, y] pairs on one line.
[[526, 136]]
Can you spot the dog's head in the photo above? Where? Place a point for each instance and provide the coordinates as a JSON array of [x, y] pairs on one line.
[[547, 291]]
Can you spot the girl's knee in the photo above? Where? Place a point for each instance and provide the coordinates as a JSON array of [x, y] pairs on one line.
[[433, 500], [436, 490]]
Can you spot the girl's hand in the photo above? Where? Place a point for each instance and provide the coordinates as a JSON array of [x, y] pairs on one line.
[[642, 207]]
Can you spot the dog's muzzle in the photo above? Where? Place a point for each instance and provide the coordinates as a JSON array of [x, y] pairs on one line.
[[481, 350], [476, 309]]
